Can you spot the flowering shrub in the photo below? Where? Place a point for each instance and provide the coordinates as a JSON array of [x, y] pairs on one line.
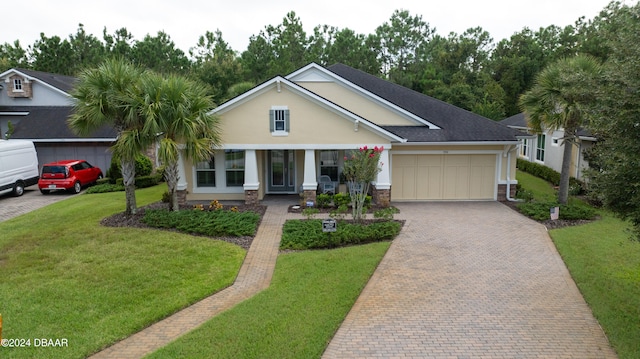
[[359, 170], [215, 205]]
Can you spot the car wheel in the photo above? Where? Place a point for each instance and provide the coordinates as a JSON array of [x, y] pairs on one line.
[[77, 187], [44, 191], [18, 189], [99, 178]]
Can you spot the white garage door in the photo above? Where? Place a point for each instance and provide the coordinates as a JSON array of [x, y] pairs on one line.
[[443, 177]]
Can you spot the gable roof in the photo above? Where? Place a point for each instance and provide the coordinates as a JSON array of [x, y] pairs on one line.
[[60, 83], [279, 82], [455, 123]]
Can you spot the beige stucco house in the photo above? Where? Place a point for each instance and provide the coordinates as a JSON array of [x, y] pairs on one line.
[[282, 135]]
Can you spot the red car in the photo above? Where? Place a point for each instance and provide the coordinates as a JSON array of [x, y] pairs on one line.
[[70, 175]]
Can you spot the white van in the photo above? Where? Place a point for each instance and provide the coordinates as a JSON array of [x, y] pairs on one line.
[[18, 166]]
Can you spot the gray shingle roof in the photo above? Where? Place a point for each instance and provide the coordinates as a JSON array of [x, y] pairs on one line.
[[62, 82], [50, 123], [520, 121], [457, 124]]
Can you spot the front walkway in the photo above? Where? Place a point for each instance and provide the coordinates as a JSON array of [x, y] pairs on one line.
[[254, 276], [470, 280]]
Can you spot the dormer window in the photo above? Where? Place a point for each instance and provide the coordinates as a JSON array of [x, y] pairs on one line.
[[17, 85], [279, 120]]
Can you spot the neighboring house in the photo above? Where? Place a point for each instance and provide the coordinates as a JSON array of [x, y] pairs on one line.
[[282, 135], [547, 147], [38, 104]]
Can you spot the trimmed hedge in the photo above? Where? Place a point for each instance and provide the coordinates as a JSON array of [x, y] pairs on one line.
[[308, 234], [540, 211], [144, 167], [143, 181], [219, 223]]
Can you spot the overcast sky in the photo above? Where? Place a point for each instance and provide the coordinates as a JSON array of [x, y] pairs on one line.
[[184, 21]]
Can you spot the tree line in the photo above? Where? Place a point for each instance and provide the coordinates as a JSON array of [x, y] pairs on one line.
[[469, 70]]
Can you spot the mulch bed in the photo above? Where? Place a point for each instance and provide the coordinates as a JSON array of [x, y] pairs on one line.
[[551, 224], [135, 221]]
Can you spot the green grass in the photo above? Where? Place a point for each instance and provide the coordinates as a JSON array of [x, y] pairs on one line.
[[605, 264], [63, 275], [542, 190], [296, 317]]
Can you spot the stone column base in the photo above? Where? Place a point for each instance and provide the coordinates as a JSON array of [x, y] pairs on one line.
[[382, 197], [251, 197], [309, 196], [182, 197]]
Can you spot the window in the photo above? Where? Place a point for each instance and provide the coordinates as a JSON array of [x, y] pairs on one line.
[[206, 173], [234, 166], [329, 164], [555, 141], [524, 149], [279, 120], [17, 84], [540, 147]]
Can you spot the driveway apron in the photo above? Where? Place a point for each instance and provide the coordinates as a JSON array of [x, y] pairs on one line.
[[470, 280]]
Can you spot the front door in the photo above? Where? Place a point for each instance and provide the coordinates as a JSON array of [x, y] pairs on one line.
[[282, 171]]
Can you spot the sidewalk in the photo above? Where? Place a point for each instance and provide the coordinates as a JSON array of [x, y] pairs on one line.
[[254, 276]]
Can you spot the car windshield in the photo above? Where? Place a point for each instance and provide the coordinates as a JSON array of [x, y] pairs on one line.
[[53, 169]]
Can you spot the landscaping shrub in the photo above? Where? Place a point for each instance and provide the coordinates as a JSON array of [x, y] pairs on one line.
[[144, 167], [219, 223], [540, 211], [148, 181], [340, 199], [104, 188], [323, 200], [308, 234], [523, 194], [385, 213], [103, 181]]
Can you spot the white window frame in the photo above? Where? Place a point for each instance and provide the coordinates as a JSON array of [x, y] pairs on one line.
[[230, 166], [555, 141], [211, 170], [279, 115], [18, 85], [524, 150], [540, 151]]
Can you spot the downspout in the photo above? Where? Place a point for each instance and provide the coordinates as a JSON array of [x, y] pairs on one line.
[[508, 194]]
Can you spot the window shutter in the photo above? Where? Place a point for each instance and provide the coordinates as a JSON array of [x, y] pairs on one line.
[[286, 120], [272, 120]]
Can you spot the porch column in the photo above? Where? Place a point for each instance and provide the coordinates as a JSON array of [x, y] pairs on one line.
[[181, 187], [310, 183], [382, 189], [251, 180]]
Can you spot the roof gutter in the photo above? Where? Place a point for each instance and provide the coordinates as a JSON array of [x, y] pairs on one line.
[[70, 140], [462, 143]]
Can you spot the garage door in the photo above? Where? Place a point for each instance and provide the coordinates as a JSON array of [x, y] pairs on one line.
[[443, 177], [97, 154]]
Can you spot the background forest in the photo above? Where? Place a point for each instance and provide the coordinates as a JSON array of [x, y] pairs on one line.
[[470, 70]]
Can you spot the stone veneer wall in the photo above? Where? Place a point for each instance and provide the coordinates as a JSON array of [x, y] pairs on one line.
[[251, 197], [502, 192]]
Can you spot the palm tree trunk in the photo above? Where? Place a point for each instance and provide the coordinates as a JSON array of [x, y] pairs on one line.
[[563, 190], [172, 177], [129, 181]]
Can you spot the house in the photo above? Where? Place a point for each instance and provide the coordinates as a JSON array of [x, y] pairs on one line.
[[37, 105], [547, 147], [282, 135]]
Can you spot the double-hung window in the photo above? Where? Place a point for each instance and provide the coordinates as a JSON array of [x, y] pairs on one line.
[[542, 138], [206, 173], [524, 149], [279, 120], [234, 167], [17, 84]]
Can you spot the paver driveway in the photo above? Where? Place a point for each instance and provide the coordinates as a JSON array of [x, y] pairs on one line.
[[470, 280]]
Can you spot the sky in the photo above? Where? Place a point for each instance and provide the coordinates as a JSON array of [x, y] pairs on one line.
[[186, 20]]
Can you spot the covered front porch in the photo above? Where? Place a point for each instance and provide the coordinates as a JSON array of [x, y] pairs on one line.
[[251, 173]]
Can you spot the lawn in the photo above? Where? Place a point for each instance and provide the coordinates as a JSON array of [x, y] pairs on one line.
[[605, 264], [64, 276], [296, 317]]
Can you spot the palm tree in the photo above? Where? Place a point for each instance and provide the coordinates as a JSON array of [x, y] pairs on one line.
[[178, 115], [556, 101], [105, 96]]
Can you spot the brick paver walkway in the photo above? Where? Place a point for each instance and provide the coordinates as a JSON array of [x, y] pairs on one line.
[[470, 280], [254, 276], [32, 199]]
